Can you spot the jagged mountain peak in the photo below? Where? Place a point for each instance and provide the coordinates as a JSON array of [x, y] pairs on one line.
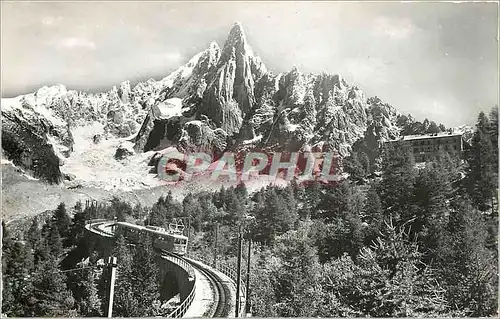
[[213, 46], [49, 91], [236, 44], [221, 98], [200, 63], [237, 31], [230, 89], [295, 69]]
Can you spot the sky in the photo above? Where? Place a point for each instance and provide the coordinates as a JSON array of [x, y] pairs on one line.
[[432, 60]]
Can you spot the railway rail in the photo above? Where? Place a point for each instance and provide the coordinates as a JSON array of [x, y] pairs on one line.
[[230, 272], [221, 293], [221, 305], [180, 310]]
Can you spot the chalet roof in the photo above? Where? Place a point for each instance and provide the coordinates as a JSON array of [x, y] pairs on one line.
[[426, 136], [429, 136]]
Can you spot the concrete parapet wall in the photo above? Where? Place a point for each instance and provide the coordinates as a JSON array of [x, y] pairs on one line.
[[182, 272], [176, 275]]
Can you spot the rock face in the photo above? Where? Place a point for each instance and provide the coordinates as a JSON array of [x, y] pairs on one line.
[[222, 99], [124, 151], [310, 109], [230, 99], [381, 126], [230, 95], [36, 127], [33, 138], [184, 88]]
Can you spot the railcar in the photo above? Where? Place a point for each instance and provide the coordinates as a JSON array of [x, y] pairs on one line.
[[172, 242]]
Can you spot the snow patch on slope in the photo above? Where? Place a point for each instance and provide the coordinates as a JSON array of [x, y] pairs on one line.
[[183, 72], [167, 109], [254, 140], [292, 127], [94, 165], [32, 110]]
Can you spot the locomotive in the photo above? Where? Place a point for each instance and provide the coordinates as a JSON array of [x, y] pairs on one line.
[[172, 240]]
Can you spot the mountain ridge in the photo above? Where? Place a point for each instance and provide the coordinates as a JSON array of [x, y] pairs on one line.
[[221, 99]]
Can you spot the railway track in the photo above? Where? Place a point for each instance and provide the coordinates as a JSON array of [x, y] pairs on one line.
[[221, 293], [220, 307], [222, 302]]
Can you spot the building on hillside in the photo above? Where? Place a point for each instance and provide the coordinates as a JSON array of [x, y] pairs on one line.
[[425, 147]]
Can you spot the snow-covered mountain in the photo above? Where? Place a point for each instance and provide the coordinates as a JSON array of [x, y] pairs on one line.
[[222, 99], [231, 99]]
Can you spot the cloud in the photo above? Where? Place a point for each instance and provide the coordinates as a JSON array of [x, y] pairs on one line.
[[51, 21], [392, 28], [164, 57], [310, 53], [76, 43], [371, 70], [438, 109], [173, 56]]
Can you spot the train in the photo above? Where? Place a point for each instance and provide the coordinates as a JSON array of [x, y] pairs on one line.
[[171, 241]]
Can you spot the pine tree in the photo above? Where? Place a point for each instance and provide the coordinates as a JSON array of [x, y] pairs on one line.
[[77, 227], [481, 176], [233, 206], [374, 214], [138, 212], [493, 117], [262, 295], [121, 251], [78, 208], [290, 202], [432, 190], [297, 295], [145, 271], [83, 285], [90, 303], [53, 240], [157, 216], [221, 198], [241, 191], [119, 210], [92, 211], [62, 220], [136, 288], [313, 194], [164, 211], [334, 202], [276, 217], [398, 180], [467, 267], [264, 227], [333, 239], [433, 128], [353, 166], [17, 269], [124, 303], [386, 280], [51, 296], [192, 209], [426, 125]]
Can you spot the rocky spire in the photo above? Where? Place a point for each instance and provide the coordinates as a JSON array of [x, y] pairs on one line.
[[234, 78], [236, 42]]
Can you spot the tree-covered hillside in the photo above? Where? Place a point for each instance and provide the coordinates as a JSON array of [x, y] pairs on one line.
[[414, 241]]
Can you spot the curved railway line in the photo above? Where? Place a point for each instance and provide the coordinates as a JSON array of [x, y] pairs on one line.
[[221, 293]]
